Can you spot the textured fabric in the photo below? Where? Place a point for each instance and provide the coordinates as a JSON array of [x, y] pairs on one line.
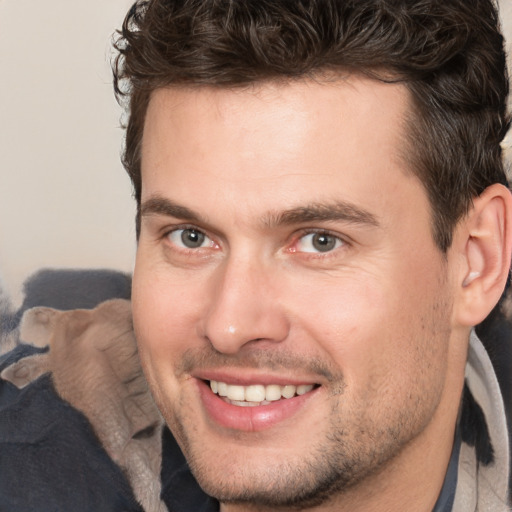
[[74, 289], [50, 460], [181, 492], [484, 487]]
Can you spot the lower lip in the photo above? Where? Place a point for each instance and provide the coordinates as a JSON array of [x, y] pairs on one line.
[[250, 419]]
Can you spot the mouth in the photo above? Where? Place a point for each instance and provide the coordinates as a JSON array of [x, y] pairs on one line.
[[257, 394], [255, 407]]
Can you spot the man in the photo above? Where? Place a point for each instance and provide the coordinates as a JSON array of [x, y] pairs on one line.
[[322, 219]]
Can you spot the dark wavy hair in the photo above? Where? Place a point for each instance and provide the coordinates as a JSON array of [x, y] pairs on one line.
[[449, 53]]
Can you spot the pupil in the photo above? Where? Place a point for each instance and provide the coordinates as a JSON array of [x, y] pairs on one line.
[[324, 243], [192, 238]]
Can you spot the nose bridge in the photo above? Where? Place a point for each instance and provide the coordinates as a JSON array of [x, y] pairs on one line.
[[244, 305]]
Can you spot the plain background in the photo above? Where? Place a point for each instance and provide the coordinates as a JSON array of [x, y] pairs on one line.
[[65, 200]]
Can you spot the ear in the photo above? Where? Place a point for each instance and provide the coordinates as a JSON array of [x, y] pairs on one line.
[[37, 325], [484, 239]]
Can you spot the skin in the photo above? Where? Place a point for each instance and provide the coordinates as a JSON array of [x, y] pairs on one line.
[[370, 322]]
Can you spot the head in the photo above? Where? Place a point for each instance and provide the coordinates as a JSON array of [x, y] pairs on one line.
[[321, 222]]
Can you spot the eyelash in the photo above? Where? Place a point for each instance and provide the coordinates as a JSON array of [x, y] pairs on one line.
[[339, 241], [175, 230]]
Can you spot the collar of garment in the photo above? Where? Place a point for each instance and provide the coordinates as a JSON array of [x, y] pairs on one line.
[[483, 485]]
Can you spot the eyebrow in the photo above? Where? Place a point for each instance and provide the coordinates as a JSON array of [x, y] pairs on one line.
[[161, 206], [323, 212], [313, 212]]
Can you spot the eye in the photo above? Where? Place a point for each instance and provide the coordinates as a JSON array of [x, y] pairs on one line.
[[190, 238], [318, 242]]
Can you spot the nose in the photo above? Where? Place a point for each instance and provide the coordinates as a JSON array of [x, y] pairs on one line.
[[244, 307]]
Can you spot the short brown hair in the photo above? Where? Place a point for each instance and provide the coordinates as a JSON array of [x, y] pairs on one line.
[[449, 53]]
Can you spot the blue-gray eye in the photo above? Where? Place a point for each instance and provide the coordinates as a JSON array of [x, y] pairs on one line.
[[190, 238], [318, 242]]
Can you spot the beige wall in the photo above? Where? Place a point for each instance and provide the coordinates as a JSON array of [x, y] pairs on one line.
[[64, 198]]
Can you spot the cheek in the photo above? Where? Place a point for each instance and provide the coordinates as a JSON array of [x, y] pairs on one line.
[[159, 322], [379, 329], [163, 308], [339, 312]]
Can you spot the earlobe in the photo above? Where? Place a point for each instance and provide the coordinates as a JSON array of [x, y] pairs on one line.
[[486, 245]]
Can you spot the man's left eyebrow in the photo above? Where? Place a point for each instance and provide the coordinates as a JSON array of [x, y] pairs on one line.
[[323, 212]]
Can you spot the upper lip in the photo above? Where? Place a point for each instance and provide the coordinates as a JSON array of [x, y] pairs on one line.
[[248, 377]]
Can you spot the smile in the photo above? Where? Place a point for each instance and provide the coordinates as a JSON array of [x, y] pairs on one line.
[[257, 394], [253, 406]]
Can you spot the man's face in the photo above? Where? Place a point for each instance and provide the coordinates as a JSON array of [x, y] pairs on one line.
[[286, 260]]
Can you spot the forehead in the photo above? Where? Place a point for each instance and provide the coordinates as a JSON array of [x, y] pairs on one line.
[[353, 106], [274, 144]]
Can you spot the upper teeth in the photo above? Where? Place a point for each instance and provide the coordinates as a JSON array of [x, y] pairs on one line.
[[258, 392]]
